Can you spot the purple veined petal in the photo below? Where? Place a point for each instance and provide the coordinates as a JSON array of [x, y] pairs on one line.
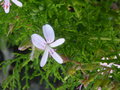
[[56, 56], [44, 57], [18, 3], [48, 33], [57, 42], [6, 6], [38, 41]]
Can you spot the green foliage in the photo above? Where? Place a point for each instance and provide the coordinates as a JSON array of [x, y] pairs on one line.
[[91, 29]]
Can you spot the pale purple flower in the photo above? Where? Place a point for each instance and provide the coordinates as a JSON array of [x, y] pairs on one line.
[[109, 65], [106, 65], [117, 65], [7, 4], [47, 44], [99, 88]]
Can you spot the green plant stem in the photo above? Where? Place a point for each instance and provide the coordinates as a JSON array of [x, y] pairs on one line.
[[103, 38]]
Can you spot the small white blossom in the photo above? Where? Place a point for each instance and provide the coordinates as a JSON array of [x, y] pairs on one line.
[[111, 71], [105, 64], [99, 88], [109, 65], [47, 44], [7, 4], [103, 58], [107, 58], [115, 57], [117, 65]]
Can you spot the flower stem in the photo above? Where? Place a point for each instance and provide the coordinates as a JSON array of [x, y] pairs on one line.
[[103, 38]]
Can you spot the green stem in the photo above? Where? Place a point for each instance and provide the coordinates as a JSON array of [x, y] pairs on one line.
[[102, 38]]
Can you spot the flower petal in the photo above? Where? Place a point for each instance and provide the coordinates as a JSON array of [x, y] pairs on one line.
[[38, 41], [44, 57], [18, 3], [56, 56], [7, 10], [48, 33], [57, 42], [6, 6]]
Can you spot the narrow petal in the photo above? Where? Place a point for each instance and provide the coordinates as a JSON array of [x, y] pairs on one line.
[[56, 56], [38, 41], [48, 33], [44, 57], [18, 3], [7, 10], [57, 42], [6, 6]]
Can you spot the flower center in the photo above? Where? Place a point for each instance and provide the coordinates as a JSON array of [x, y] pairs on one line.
[[47, 46]]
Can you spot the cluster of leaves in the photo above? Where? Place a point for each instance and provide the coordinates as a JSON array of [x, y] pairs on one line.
[[91, 29]]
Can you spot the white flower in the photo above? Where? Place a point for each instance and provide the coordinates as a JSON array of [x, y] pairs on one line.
[[7, 4], [47, 44], [109, 65], [106, 65], [99, 88]]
